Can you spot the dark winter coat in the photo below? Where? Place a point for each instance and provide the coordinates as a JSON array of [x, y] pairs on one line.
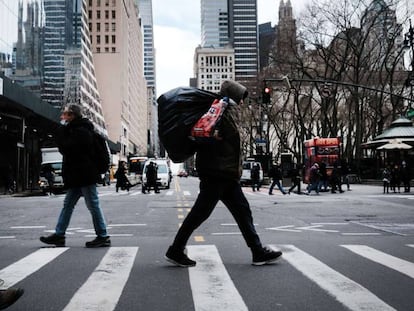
[[75, 142], [222, 158]]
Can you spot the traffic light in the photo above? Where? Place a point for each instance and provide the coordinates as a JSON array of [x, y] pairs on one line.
[[266, 95]]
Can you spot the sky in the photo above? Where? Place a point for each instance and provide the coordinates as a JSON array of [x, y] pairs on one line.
[[176, 34]]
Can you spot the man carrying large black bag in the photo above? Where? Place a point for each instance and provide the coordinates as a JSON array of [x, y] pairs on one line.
[[218, 165]]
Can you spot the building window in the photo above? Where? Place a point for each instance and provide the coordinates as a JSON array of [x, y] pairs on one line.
[[98, 39], [113, 50], [106, 50], [98, 14], [113, 39], [113, 2], [90, 14], [106, 27], [113, 27], [106, 2], [98, 27], [113, 15], [98, 50], [90, 27], [106, 14], [106, 39], [90, 2], [98, 2]]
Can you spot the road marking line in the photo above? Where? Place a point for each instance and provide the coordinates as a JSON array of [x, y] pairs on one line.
[[126, 225], [21, 269], [199, 238], [226, 233], [410, 245], [8, 237], [169, 192], [330, 223], [112, 235], [397, 264], [315, 228], [284, 228], [102, 289], [211, 285], [360, 233], [27, 227], [351, 294], [186, 193]]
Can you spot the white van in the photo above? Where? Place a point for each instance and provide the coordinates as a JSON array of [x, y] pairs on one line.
[[247, 166], [163, 173]]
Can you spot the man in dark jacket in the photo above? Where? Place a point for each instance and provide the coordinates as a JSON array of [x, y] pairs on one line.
[[80, 175], [219, 167]]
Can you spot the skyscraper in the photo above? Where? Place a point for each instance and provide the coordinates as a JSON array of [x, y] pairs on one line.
[[243, 37], [68, 68], [214, 23], [116, 37], [145, 11]]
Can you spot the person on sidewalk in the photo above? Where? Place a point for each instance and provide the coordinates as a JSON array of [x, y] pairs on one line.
[[9, 296], [255, 177], [219, 169], [80, 175], [276, 174], [295, 178]]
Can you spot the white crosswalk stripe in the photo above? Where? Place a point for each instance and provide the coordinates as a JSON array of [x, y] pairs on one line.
[[349, 293], [212, 288], [104, 287], [389, 261], [211, 285], [28, 265]]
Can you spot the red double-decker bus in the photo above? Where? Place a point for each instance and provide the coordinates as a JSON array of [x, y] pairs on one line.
[[318, 150]]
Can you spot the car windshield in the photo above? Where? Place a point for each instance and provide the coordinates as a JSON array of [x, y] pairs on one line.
[[162, 168]]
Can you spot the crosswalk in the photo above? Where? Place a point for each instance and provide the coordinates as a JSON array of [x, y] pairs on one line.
[[210, 281]]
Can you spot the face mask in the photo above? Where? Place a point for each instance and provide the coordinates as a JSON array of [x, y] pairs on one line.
[[63, 122]]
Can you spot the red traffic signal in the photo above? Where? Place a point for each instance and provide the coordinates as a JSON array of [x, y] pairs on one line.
[[267, 90], [266, 95]]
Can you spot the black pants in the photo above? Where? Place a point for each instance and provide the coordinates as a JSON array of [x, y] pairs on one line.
[[231, 194]]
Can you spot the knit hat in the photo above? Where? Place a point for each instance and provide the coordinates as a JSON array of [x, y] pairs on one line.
[[234, 90], [76, 110]]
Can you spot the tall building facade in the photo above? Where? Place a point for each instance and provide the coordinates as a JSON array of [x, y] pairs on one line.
[[117, 45], [244, 38], [214, 23], [145, 11], [212, 66], [68, 67]]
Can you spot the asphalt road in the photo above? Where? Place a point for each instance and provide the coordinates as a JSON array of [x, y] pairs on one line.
[[349, 251]]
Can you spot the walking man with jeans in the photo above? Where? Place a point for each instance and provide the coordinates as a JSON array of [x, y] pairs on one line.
[[80, 175], [219, 169]]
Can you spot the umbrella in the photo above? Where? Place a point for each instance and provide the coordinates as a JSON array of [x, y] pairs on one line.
[[394, 144]]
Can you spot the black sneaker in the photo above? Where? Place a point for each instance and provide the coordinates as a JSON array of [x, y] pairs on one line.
[[53, 239], [179, 258], [9, 297], [99, 242], [265, 256]]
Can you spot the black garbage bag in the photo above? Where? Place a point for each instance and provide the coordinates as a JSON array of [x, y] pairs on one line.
[[178, 110]]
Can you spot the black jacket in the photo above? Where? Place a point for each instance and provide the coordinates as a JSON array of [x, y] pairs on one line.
[[75, 142], [222, 158]]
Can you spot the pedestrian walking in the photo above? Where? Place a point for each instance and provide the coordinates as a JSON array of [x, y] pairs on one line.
[[9, 296], [336, 183], [276, 174], [121, 177], [295, 178], [255, 177], [49, 174], [323, 181], [386, 177], [80, 175], [219, 169], [151, 174], [314, 178]]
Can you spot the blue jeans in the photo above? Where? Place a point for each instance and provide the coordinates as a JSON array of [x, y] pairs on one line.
[[92, 202], [276, 182]]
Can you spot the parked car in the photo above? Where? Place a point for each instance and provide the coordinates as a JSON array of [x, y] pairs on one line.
[[247, 166], [163, 173]]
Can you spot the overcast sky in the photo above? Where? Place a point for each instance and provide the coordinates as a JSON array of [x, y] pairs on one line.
[[176, 32]]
